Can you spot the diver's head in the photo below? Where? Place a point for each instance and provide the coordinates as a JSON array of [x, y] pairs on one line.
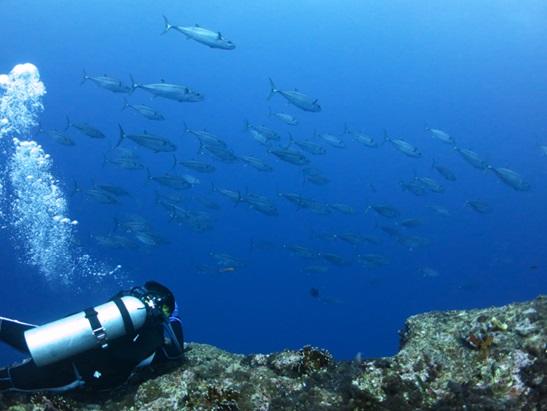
[[161, 295]]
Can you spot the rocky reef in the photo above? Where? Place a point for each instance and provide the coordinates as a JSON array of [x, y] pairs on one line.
[[484, 359]]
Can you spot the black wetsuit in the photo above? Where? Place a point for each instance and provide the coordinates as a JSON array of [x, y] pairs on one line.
[[159, 340]]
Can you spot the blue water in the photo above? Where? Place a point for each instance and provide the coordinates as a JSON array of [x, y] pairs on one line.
[[474, 69]]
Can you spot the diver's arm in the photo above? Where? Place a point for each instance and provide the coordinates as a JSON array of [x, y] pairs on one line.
[[12, 332]]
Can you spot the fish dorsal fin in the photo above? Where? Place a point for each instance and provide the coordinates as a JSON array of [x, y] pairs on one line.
[[295, 89], [219, 36], [186, 90], [197, 25], [315, 101], [162, 80], [145, 132]]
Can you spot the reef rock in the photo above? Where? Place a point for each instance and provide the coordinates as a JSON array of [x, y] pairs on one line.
[[485, 359]]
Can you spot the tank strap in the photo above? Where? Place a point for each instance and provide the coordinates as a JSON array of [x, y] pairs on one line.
[[96, 326], [127, 322]]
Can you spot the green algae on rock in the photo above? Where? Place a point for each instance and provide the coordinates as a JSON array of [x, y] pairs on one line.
[[487, 359]]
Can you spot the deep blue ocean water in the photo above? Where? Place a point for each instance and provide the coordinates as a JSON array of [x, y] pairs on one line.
[[476, 70]]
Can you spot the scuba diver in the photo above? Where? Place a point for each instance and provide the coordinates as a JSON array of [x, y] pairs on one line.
[[99, 347]]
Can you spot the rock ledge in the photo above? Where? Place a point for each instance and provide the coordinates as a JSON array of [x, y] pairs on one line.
[[485, 359]]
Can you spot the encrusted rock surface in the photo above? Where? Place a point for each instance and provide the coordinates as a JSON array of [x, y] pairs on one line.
[[485, 359]]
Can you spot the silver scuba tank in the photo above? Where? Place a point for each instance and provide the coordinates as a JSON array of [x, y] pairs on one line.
[[75, 334]]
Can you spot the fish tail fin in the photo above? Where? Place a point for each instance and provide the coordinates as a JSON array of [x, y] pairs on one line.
[[166, 26], [291, 140], [116, 224], [386, 137], [346, 128], [68, 123], [174, 162], [75, 188], [125, 104], [239, 199], [105, 160], [134, 85], [156, 197], [84, 77], [122, 135], [148, 174], [186, 128], [247, 125], [273, 89]]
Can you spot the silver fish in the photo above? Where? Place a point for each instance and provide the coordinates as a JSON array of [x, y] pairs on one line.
[[372, 260], [290, 156], [342, 208], [170, 91], [413, 187], [132, 223], [172, 181], [114, 241], [350, 238], [444, 171], [331, 140], [86, 129], [308, 146], [196, 165], [261, 204], [262, 134], [360, 137], [256, 163], [335, 259], [124, 162], [232, 195], [410, 223], [307, 203], [511, 178], [314, 176], [155, 143], [430, 184], [472, 158], [101, 196], [479, 206], [202, 35], [403, 146], [108, 83], [384, 210], [59, 137], [301, 251], [205, 137], [114, 190], [150, 239], [221, 153], [439, 210], [298, 99], [284, 117], [428, 272], [441, 135], [144, 110]]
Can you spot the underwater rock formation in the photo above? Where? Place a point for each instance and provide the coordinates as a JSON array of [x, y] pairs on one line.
[[485, 359]]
